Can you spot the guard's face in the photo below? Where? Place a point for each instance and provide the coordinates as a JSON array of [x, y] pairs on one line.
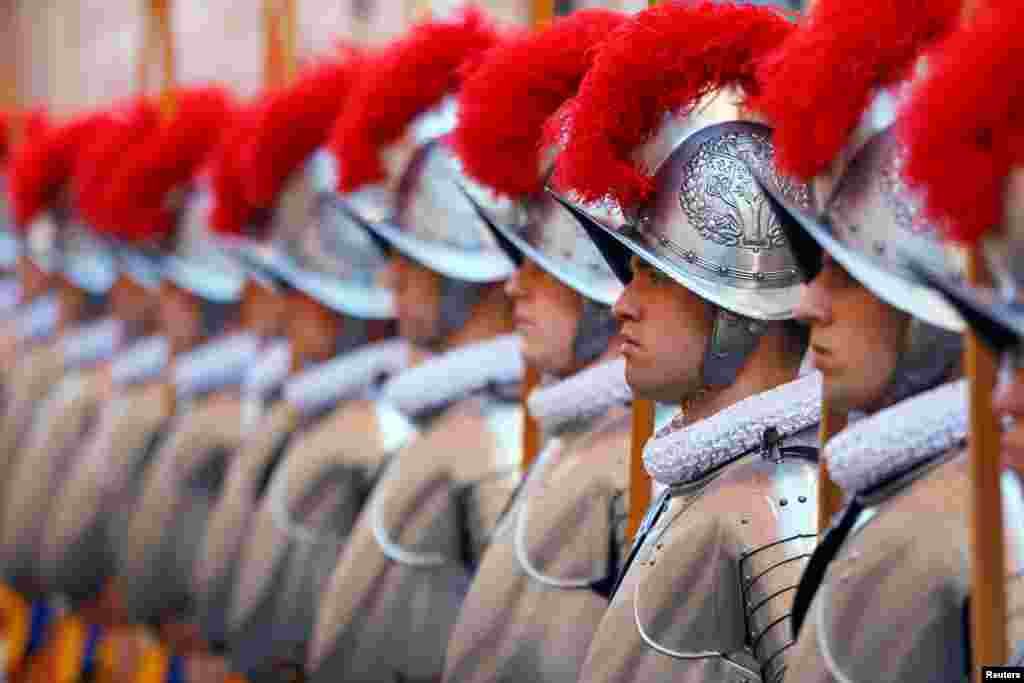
[[855, 338], [665, 329], [1009, 402], [181, 317], [312, 329], [547, 315], [263, 311], [129, 301], [34, 280], [417, 295]]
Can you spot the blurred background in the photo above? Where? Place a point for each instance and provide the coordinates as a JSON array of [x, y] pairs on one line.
[[74, 54]]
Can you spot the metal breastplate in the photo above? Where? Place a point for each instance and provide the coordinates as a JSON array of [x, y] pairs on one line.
[[722, 565]]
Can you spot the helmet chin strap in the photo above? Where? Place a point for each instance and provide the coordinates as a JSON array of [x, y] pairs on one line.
[[733, 339], [929, 354], [594, 331]]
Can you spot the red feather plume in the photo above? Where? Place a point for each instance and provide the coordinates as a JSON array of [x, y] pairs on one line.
[[136, 195], [291, 124], [128, 127], [231, 212], [817, 86], [505, 101], [663, 60], [44, 164], [404, 80], [962, 126]]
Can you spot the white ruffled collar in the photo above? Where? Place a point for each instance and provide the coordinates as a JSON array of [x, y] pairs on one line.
[[347, 376], [38, 319], [575, 401], [679, 453], [271, 369], [895, 440], [92, 343], [442, 380], [215, 365]]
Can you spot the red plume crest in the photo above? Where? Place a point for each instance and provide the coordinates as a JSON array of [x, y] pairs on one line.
[[505, 102], [817, 86], [407, 78], [663, 60]]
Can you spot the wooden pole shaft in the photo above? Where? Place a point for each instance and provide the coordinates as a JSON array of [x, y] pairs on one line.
[[542, 10], [988, 552], [830, 496], [639, 480]]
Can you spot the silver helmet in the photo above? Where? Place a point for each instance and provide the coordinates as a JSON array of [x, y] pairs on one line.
[[41, 242], [87, 261], [434, 223], [541, 230], [709, 227], [320, 247], [10, 245], [141, 265], [199, 264], [866, 218]]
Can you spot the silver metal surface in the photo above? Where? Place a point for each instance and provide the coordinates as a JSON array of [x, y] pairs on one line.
[[543, 231], [720, 572], [199, 264], [709, 226], [87, 261], [41, 245], [870, 223], [437, 226]]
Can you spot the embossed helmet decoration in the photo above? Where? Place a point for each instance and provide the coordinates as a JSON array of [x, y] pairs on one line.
[[864, 215], [658, 164], [966, 161], [503, 108], [408, 90]]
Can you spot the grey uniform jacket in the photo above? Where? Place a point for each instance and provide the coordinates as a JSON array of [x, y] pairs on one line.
[[314, 397], [707, 594], [167, 507], [393, 597], [53, 443], [76, 553], [891, 604], [544, 582]]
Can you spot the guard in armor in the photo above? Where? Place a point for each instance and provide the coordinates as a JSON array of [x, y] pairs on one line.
[[394, 596], [895, 558], [40, 179], [544, 582], [83, 547], [259, 575], [659, 167]]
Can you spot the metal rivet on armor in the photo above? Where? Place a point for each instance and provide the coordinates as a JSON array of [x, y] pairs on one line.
[[724, 270], [879, 248], [783, 502], [759, 276], [854, 227], [690, 256], [802, 499]]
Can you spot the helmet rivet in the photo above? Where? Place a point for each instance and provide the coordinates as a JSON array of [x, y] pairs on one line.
[[759, 276], [723, 270], [690, 256], [879, 248]]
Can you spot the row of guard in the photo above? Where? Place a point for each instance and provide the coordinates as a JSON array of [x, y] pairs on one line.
[[263, 361]]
